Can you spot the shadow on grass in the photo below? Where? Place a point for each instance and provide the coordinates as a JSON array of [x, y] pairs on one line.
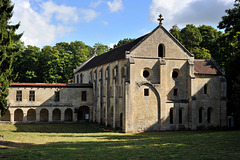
[[59, 128], [11, 144], [161, 145]]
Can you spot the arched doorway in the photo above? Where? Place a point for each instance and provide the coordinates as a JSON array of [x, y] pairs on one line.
[[83, 113], [44, 115], [56, 115], [18, 115], [31, 115], [6, 116], [68, 115]]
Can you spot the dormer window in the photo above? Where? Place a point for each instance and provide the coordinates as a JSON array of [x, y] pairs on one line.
[[161, 50]]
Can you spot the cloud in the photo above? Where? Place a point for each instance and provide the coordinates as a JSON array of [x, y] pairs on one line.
[[111, 45], [184, 12], [95, 4], [88, 15], [62, 13], [105, 23], [115, 6], [38, 28]]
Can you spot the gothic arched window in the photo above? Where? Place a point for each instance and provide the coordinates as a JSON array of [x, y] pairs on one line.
[[209, 115], [161, 50], [201, 115]]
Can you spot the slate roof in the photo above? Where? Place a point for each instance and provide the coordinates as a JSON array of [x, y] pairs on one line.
[[200, 66], [206, 67], [112, 55]]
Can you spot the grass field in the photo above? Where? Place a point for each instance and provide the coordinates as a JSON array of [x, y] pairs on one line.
[[87, 141]]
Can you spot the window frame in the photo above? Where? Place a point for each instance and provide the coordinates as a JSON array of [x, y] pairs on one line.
[[31, 95], [146, 92], [84, 96], [57, 96], [19, 95]]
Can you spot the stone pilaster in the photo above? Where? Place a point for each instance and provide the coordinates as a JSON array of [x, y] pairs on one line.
[[223, 107], [192, 98]]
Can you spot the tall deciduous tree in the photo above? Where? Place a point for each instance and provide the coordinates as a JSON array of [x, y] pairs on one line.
[[100, 48], [122, 42], [7, 50], [230, 44], [191, 37], [175, 31]]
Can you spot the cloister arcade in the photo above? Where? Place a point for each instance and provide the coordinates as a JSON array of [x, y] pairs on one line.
[[46, 114]]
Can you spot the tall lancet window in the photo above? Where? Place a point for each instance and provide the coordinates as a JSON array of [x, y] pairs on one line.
[[161, 50]]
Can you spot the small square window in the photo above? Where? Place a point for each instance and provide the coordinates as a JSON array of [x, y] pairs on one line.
[[175, 92], [146, 92], [84, 95]]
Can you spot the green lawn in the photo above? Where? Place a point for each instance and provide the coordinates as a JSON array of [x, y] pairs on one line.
[[87, 141]]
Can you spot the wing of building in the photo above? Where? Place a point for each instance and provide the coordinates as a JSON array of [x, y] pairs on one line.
[[150, 84]]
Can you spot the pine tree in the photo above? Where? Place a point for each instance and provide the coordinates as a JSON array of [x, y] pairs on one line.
[[8, 38]]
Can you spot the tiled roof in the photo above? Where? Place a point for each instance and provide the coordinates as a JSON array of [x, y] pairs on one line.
[[39, 84], [205, 67], [112, 55], [51, 85]]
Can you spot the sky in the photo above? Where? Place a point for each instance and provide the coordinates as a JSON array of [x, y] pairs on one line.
[[47, 22]]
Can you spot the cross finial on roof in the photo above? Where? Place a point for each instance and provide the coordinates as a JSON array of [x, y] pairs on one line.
[[160, 19]]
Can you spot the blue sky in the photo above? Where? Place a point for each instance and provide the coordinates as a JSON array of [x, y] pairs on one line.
[[47, 22]]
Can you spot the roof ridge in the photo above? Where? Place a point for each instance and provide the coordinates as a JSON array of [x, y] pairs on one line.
[[217, 66]]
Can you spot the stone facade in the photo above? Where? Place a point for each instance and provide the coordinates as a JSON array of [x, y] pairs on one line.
[[155, 84], [150, 84], [32, 102]]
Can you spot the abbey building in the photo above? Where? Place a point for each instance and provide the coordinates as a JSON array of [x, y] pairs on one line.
[[150, 84]]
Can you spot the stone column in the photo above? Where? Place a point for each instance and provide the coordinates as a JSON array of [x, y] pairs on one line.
[[37, 115], [11, 116], [75, 118], [62, 114], [50, 115], [24, 116]]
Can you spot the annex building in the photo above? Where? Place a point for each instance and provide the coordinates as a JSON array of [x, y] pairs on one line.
[[150, 84]]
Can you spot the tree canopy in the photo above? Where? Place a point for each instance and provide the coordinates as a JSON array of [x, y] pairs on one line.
[[122, 42]]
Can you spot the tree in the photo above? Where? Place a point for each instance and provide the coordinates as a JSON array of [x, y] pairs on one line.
[[26, 65], [231, 21], [122, 42], [191, 37], [230, 44], [7, 50], [175, 31], [100, 48], [210, 37], [201, 53]]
